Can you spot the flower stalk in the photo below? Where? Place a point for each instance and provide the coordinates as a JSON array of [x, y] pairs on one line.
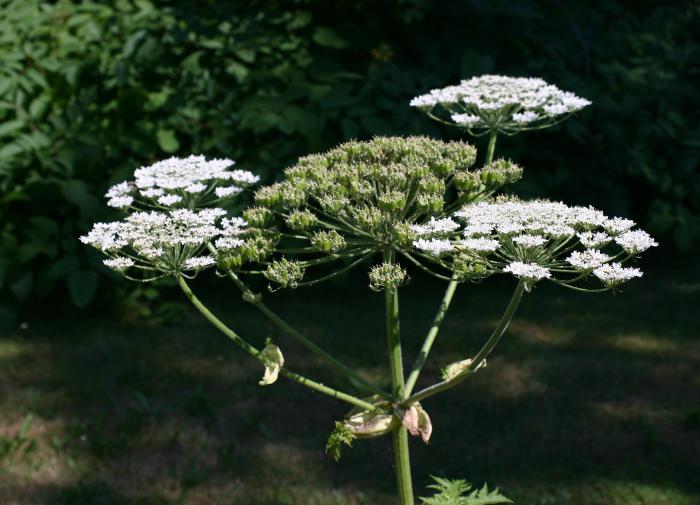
[[255, 353], [357, 380], [483, 353]]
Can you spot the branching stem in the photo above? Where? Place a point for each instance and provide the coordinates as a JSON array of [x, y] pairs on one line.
[[355, 378], [255, 353], [480, 356], [432, 334]]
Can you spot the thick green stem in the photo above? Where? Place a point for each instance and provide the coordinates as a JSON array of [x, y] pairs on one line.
[[402, 461], [480, 356], [255, 353], [492, 147], [430, 337]]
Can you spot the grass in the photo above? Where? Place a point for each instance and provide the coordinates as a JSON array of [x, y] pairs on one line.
[[588, 400]]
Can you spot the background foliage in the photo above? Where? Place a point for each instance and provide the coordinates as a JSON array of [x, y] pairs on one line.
[[90, 90]]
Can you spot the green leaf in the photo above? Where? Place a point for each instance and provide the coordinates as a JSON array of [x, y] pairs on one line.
[[239, 71], [63, 267], [9, 127], [10, 150], [77, 193], [4, 266], [82, 286], [167, 140], [327, 37], [454, 492], [341, 435], [38, 107], [23, 286], [30, 250], [44, 225], [247, 55]]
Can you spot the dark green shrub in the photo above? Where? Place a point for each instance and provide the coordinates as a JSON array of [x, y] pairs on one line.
[[89, 90]]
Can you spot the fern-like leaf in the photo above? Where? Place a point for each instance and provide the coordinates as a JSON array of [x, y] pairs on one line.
[[454, 492], [340, 436]]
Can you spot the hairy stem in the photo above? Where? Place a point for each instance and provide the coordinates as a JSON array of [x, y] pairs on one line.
[[480, 356], [402, 461], [255, 353], [430, 337]]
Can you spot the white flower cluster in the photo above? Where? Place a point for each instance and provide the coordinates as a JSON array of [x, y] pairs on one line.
[[184, 182], [531, 272], [536, 239], [165, 242], [613, 274], [501, 103], [435, 227], [434, 246]]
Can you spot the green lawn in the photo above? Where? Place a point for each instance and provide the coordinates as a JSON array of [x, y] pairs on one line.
[[589, 400]]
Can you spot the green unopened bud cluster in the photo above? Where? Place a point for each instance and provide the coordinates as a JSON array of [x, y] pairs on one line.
[[286, 273], [387, 276], [329, 242], [470, 267], [301, 220], [257, 248], [363, 198], [258, 217], [488, 178]]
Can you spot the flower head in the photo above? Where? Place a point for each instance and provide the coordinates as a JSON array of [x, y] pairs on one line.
[[530, 272], [166, 242], [614, 274], [501, 103], [364, 198], [181, 182], [535, 240]]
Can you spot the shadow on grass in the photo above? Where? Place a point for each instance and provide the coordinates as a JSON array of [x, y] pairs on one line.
[[588, 400]]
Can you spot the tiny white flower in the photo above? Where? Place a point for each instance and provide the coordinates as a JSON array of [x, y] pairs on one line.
[[529, 240], [531, 272], [120, 202], [197, 187], [618, 225], [477, 229], [465, 119], [169, 199], [434, 246], [525, 117], [119, 195], [199, 262], [243, 177], [594, 240], [559, 231], [152, 192], [228, 243], [556, 109], [635, 242], [223, 192], [587, 260], [613, 274], [120, 263], [435, 227], [480, 244]]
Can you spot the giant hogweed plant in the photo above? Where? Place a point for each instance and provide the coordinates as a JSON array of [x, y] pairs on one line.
[[385, 204]]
